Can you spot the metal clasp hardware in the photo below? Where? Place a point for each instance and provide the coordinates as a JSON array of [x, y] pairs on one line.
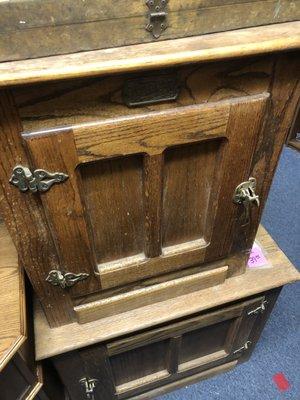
[[38, 181], [259, 309], [245, 195], [157, 17], [244, 348], [64, 279], [89, 385]]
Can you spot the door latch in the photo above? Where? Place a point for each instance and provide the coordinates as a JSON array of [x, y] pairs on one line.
[[37, 181], [89, 385], [157, 17], [261, 309], [65, 279], [245, 195], [244, 348]]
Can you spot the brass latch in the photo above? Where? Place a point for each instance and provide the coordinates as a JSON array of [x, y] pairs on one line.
[[89, 387], [157, 17], [64, 279], [245, 195], [243, 348], [261, 309], [36, 181]]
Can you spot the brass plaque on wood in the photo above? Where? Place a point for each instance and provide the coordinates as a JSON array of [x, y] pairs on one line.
[[151, 89]]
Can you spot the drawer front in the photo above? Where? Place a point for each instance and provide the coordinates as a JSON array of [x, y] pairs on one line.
[[165, 356]]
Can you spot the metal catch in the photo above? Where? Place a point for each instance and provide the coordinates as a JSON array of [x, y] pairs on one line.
[[157, 17], [65, 279], [89, 385], [244, 348], [38, 181], [259, 310], [245, 195]]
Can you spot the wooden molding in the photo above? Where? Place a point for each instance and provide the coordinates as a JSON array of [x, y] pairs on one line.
[[212, 47]]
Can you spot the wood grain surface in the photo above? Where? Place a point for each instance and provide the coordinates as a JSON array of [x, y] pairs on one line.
[[50, 342], [239, 43], [63, 28]]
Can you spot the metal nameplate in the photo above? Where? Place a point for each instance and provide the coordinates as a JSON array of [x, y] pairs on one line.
[[151, 89]]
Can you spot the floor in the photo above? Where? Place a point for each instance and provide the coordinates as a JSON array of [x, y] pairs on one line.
[[279, 348]]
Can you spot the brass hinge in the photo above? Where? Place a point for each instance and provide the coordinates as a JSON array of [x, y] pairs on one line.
[[157, 17], [89, 385], [261, 309], [37, 181], [243, 348], [245, 195], [65, 279]]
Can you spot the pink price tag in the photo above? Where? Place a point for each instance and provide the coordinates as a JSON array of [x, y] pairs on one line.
[[257, 258]]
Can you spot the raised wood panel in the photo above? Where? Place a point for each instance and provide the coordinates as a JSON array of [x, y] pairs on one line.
[[190, 181], [113, 195]]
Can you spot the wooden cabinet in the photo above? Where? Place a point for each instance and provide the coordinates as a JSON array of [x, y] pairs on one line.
[[168, 355], [124, 190]]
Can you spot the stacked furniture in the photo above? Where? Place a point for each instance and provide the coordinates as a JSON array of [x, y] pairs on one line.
[[21, 377], [133, 179]]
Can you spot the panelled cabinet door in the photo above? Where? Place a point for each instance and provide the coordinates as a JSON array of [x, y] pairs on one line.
[[137, 364], [148, 194]]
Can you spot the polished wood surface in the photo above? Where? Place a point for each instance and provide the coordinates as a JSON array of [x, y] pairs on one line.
[[50, 342], [218, 46]]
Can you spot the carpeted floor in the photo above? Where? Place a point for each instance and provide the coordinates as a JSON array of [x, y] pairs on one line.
[[279, 347]]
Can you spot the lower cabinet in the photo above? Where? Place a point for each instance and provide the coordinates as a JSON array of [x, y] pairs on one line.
[[152, 362]]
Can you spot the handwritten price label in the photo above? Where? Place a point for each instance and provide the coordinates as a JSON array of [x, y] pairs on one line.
[[257, 258]]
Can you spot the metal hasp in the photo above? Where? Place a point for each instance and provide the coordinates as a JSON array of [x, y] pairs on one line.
[[259, 310], [157, 17], [38, 181], [245, 195], [244, 348], [89, 385], [65, 279]]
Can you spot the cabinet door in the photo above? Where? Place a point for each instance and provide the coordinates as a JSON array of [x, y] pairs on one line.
[[165, 356], [148, 194]]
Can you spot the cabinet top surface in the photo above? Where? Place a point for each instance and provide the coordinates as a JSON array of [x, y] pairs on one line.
[[50, 342], [12, 307], [212, 47]]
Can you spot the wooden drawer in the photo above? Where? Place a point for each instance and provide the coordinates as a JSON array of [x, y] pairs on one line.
[[144, 206], [176, 353], [73, 25]]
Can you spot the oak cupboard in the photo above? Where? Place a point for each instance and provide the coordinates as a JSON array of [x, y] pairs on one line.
[[122, 186]]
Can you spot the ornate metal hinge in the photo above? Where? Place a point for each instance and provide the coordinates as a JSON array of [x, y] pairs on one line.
[[38, 181], [244, 348], [64, 279], [89, 385], [157, 17], [261, 309], [245, 195]]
